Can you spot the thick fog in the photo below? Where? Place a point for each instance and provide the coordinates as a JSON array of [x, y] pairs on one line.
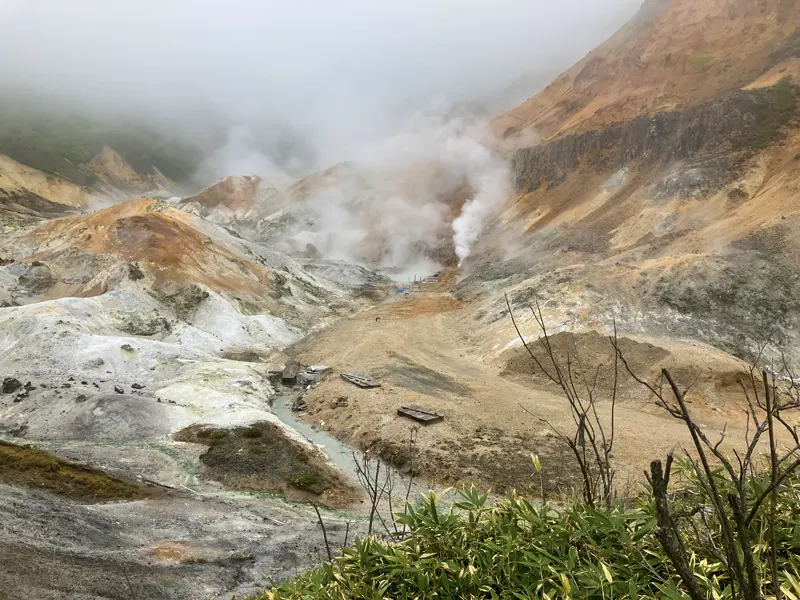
[[299, 86], [340, 71]]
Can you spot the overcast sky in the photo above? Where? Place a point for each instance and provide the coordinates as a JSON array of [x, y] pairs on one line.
[[344, 69]]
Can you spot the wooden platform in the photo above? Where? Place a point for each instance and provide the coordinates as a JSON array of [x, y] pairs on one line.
[[420, 414], [360, 380]]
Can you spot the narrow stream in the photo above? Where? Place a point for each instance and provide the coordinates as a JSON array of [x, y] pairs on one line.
[[339, 453], [342, 455]]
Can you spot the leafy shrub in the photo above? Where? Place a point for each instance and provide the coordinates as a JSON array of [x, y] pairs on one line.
[[135, 272], [216, 435], [517, 549], [252, 432], [305, 481]]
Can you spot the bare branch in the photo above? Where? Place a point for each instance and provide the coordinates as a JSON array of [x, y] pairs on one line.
[[525, 343], [324, 531]]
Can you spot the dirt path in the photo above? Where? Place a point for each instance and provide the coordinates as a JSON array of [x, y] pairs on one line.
[[419, 348]]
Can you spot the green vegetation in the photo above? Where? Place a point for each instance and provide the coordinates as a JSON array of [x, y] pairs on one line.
[[252, 432], [790, 48], [260, 458], [135, 272], [518, 549], [60, 141], [773, 110], [701, 62], [305, 482], [30, 467]]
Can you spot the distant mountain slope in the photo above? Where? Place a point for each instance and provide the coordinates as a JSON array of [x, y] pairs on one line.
[[28, 195], [75, 145], [17, 180], [54, 160], [656, 182], [673, 54]]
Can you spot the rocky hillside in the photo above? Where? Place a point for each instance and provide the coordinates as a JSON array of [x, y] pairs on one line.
[[56, 160], [662, 195], [380, 216], [654, 189], [673, 55], [235, 200], [678, 224], [142, 338]]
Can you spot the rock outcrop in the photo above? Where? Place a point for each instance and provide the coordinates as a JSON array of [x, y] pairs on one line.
[[234, 199], [721, 134]]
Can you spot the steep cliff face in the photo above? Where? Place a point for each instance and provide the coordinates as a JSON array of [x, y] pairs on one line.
[[722, 133]]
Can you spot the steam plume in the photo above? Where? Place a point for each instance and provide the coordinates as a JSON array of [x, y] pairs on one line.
[[494, 187], [395, 204]]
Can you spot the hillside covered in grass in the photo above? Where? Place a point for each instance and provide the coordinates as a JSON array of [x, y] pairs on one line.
[[60, 140]]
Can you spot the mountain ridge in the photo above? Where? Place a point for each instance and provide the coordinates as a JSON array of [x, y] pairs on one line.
[[657, 62]]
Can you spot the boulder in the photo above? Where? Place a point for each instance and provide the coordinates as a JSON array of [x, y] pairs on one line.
[[10, 385], [38, 278], [306, 378]]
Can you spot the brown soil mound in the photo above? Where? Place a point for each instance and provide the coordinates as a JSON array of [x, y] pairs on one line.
[[590, 358], [158, 238], [260, 458], [29, 467]]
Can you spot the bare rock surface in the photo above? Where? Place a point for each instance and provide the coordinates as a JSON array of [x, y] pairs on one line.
[[184, 547], [117, 331]]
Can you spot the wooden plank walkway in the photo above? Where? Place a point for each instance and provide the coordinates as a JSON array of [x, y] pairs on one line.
[[420, 414], [360, 380]]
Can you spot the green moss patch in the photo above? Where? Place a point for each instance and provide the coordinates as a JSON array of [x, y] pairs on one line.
[[260, 458], [30, 467]]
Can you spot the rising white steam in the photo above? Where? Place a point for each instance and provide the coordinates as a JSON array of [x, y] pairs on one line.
[[394, 205], [493, 187], [240, 155]]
